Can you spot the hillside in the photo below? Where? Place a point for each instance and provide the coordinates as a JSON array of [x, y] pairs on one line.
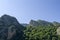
[[10, 29], [43, 23]]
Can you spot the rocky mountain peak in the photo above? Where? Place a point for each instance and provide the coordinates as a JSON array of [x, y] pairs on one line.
[[8, 20], [10, 29]]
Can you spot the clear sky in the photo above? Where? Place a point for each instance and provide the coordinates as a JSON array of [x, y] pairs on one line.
[[25, 10]]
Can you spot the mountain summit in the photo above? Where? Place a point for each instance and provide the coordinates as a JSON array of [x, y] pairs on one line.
[[43, 23], [10, 29]]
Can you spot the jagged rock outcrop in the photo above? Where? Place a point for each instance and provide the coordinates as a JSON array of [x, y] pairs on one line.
[[10, 29], [33, 23], [40, 23]]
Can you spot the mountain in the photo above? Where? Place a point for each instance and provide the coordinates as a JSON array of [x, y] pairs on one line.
[[43, 23], [24, 24], [10, 29], [56, 23], [33, 23]]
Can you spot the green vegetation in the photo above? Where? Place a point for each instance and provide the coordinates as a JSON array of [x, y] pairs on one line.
[[10, 29], [41, 33], [42, 30]]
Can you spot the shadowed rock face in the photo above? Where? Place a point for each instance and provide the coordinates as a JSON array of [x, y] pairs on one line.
[[10, 29]]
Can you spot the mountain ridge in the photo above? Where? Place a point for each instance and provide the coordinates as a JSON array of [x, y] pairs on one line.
[[10, 28], [43, 23]]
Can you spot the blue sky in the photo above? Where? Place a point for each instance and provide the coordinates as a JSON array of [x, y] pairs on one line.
[[25, 10]]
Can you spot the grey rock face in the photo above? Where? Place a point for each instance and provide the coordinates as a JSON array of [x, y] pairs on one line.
[[10, 29], [40, 23], [58, 31], [33, 23]]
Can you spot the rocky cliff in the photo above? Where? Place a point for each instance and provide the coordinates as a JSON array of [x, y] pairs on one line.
[[10, 29]]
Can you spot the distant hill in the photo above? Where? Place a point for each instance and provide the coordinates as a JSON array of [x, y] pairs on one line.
[[24, 24], [43, 23], [56, 24]]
